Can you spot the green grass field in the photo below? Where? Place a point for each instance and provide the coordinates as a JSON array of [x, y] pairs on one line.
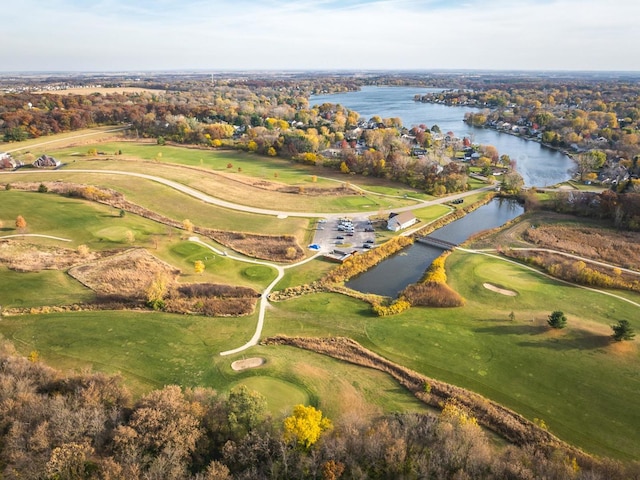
[[98, 226], [162, 160], [576, 380], [584, 387], [176, 205], [151, 350], [34, 289]]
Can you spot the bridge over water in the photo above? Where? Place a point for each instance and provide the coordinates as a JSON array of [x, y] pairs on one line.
[[437, 242]]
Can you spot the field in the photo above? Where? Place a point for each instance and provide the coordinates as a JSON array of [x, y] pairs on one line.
[[582, 385], [250, 181]]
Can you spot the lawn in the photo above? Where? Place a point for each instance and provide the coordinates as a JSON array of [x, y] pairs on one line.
[[178, 206], [59, 140], [239, 184], [151, 350], [576, 380], [218, 268], [83, 222], [305, 273], [34, 289]]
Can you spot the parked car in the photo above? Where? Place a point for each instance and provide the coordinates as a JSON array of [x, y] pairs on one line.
[[369, 241], [339, 237]]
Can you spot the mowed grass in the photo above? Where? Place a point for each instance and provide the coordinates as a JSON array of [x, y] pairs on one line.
[[83, 222], [250, 164], [291, 376], [431, 213], [178, 206], [33, 289], [153, 349], [218, 268], [235, 187], [232, 184], [582, 385], [149, 349], [305, 273]]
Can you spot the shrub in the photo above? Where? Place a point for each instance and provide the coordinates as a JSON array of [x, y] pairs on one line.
[[398, 306], [433, 291]]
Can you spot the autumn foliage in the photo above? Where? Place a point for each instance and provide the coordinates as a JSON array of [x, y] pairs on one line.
[[305, 426], [86, 426], [21, 223], [432, 290]]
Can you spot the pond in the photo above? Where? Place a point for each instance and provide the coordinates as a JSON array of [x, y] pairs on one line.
[[392, 275]]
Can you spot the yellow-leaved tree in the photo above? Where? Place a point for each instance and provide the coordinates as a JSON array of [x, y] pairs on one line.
[[199, 266], [305, 426]]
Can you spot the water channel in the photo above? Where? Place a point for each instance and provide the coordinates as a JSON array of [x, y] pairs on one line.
[[393, 274], [539, 166]]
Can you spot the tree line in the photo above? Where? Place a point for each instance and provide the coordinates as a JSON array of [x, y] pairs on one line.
[[86, 426]]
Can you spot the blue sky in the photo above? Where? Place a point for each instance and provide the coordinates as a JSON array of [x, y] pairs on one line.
[[141, 35]]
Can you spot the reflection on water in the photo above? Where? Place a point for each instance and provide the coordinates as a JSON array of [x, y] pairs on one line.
[[538, 165], [392, 275]]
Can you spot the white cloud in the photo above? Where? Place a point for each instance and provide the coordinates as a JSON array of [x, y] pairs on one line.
[[223, 34]]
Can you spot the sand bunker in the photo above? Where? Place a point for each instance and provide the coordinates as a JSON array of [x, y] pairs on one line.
[[247, 363], [502, 291]]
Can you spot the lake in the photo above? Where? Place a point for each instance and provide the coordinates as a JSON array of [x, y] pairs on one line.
[[539, 166]]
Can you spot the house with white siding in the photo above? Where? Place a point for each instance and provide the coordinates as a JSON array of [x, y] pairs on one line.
[[400, 221]]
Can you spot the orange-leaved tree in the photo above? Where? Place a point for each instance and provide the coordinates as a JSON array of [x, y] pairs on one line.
[[21, 223]]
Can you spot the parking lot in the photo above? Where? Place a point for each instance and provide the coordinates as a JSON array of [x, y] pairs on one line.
[[344, 234]]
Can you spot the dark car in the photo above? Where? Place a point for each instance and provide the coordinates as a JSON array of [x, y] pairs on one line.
[[339, 237], [369, 241]]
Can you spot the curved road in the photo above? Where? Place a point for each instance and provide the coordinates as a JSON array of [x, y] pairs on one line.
[[260, 211], [36, 235], [264, 298]]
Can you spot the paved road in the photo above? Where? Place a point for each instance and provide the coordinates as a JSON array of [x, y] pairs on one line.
[[264, 298], [36, 235], [244, 208]]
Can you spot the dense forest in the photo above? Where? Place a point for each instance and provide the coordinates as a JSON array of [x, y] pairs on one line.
[[86, 426]]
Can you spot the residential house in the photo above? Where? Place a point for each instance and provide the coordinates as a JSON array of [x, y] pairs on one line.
[[7, 162], [45, 161], [400, 221]]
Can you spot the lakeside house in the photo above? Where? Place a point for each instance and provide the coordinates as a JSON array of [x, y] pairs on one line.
[[400, 221], [45, 161]]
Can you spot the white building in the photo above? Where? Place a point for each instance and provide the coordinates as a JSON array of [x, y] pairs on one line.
[[400, 221]]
